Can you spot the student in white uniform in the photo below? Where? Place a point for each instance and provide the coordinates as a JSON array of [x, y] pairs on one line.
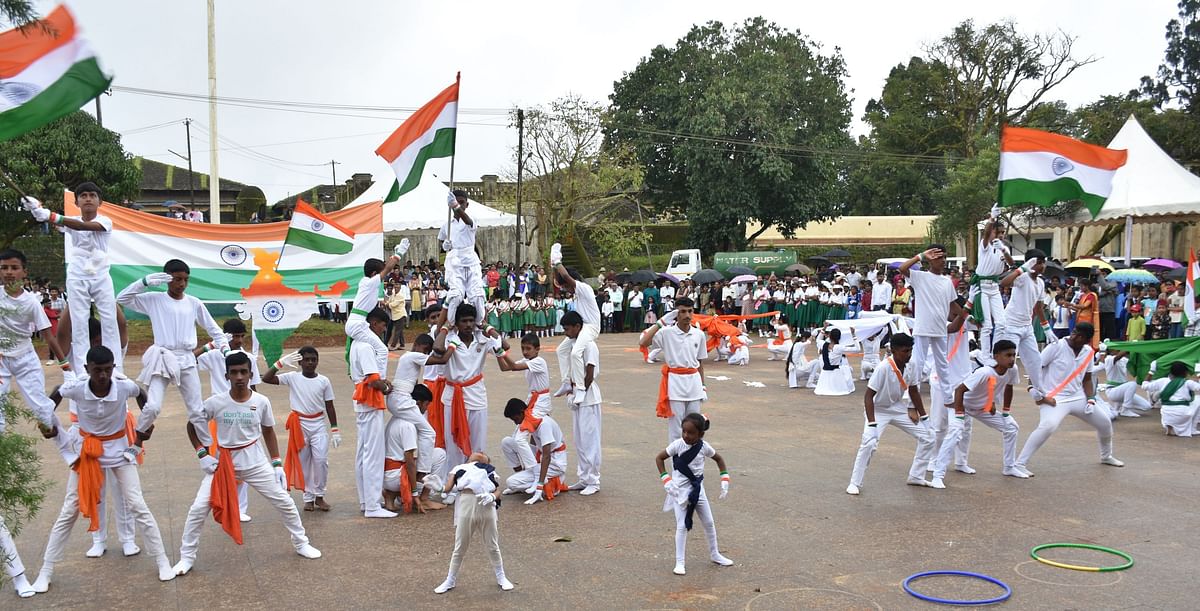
[[1068, 389], [11, 560], [475, 514], [106, 452], [977, 397], [368, 371], [435, 380], [366, 299], [936, 303], [870, 357], [684, 484], [985, 300], [538, 463], [88, 281], [409, 373], [1180, 399], [464, 276], [464, 400], [585, 421], [799, 367], [243, 417], [22, 316], [740, 350], [310, 397], [684, 348], [836, 377], [893, 398], [1024, 310], [570, 351], [401, 483], [961, 364], [780, 345], [1119, 389]]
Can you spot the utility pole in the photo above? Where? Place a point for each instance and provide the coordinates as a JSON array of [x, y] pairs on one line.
[[333, 168], [187, 126], [520, 175], [214, 175], [99, 116]]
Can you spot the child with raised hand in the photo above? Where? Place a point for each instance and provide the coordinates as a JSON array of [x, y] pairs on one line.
[[684, 486], [310, 396]]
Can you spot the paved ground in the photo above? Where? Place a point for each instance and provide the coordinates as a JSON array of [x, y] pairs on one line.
[[797, 539]]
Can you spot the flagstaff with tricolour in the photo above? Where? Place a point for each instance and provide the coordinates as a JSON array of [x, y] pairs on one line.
[[1042, 168], [428, 134]]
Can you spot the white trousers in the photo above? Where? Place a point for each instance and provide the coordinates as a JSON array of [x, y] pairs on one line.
[[679, 409], [121, 515], [703, 514], [869, 363], [799, 373], [359, 330], [586, 421], [1125, 397], [464, 277], [1007, 425], [426, 438], [131, 488], [476, 420], [261, 477], [368, 459], [570, 355], [391, 479], [939, 414], [1052, 417], [81, 294], [934, 348], [314, 458], [520, 454], [987, 294], [8, 552], [26, 370], [779, 351], [1027, 349], [472, 519], [189, 389], [897, 416]]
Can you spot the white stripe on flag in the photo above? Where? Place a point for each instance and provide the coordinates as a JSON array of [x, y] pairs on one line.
[[447, 119], [46, 71], [1041, 167]]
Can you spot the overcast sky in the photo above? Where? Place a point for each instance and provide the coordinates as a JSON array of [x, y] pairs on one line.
[[399, 54]]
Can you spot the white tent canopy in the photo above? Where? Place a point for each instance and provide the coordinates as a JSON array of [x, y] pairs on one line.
[[1150, 187], [425, 207]]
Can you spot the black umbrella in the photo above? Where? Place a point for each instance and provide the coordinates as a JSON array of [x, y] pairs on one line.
[[624, 277], [1177, 274], [706, 276], [739, 270], [837, 253], [1119, 265], [643, 276], [818, 260], [1054, 270]]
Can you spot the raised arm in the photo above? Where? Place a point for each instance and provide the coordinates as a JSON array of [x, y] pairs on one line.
[[210, 326]]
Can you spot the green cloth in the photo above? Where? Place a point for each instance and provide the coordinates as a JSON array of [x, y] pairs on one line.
[[977, 304], [1168, 391], [1165, 351]]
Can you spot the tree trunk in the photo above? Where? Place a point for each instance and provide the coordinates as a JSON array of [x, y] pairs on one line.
[[1075, 244], [1110, 232]]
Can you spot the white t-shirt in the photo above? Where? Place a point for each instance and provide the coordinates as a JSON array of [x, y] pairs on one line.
[[409, 371], [585, 304], [240, 424], [462, 237], [102, 416], [1026, 292], [591, 356], [1060, 361], [667, 292], [1114, 370], [537, 377], [548, 432], [214, 363], [89, 250], [366, 298], [399, 437], [466, 363], [363, 362], [307, 395], [881, 295], [476, 477], [933, 295], [991, 258], [635, 299], [977, 382], [173, 321], [958, 355], [615, 297], [683, 350], [678, 447], [888, 391], [1185, 392], [20, 318]]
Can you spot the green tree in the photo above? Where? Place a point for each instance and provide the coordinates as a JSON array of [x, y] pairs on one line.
[[734, 125], [1178, 78], [17, 13], [61, 155], [22, 487]]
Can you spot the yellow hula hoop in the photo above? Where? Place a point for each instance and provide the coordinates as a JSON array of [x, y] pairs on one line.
[[1093, 569]]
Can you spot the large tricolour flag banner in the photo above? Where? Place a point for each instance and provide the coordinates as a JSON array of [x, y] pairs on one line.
[[428, 134], [46, 71], [1042, 168], [237, 264]]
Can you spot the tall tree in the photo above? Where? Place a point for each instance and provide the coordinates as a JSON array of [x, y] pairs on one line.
[[61, 155], [1178, 78], [734, 125], [17, 13]]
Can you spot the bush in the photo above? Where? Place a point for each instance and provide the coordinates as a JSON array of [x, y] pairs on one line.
[[22, 488]]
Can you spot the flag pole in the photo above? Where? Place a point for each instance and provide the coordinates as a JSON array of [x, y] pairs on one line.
[[12, 184], [449, 210]]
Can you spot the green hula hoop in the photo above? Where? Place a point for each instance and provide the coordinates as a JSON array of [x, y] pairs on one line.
[[1093, 569]]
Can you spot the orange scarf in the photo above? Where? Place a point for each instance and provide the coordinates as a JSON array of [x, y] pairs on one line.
[[989, 406], [435, 412], [780, 337], [663, 408], [530, 424], [365, 394], [555, 484], [957, 342], [406, 497], [899, 376], [223, 496], [1074, 374], [91, 475], [460, 427], [291, 460]]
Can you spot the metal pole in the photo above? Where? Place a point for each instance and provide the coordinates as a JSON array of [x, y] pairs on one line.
[[333, 169], [99, 116], [520, 175], [187, 126], [214, 175], [641, 220], [1128, 241]]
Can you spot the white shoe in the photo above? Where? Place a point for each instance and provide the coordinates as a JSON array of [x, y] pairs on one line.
[[130, 549], [504, 583], [445, 587], [968, 469], [852, 489], [917, 481], [379, 513], [309, 552], [721, 560], [937, 483], [1022, 469], [1015, 472], [1129, 414], [577, 486], [21, 585], [96, 550], [508, 491], [1111, 461], [448, 499], [590, 490], [679, 570], [183, 567], [166, 572], [42, 583], [245, 517]]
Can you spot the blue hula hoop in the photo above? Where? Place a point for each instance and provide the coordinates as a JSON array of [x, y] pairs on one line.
[[946, 601]]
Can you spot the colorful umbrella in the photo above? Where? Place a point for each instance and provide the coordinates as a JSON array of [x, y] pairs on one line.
[[1082, 267], [745, 278], [1161, 265], [1133, 276]]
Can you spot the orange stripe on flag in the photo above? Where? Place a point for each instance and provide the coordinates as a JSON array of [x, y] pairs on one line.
[[21, 47], [417, 124], [367, 218], [1025, 140], [303, 207]]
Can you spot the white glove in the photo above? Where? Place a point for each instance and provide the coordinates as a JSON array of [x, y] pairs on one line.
[[335, 438], [724, 489], [1090, 407], [40, 215], [208, 464], [704, 393], [291, 360], [402, 247], [451, 200], [537, 496], [30, 203], [555, 253], [213, 344], [487, 498], [447, 245], [1027, 266], [131, 454], [995, 211], [668, 319], [281, 477], [69, 377], [531, 489], [156, 279]]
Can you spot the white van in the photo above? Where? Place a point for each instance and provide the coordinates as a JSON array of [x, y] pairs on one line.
[[684, 263]]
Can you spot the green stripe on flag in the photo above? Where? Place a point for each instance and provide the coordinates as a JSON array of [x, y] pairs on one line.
[[317, 242], [1022, 191], [441, 146], [393, 193], [82, 82], [225, 286]]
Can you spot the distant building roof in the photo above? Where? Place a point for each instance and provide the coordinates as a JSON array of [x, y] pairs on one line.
[[850, 230], [159, 176]]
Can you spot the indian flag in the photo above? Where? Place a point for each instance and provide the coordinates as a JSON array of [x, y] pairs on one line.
[[1042, 168], [313, 237], [46, 71], [1189, 296], [427, 134]]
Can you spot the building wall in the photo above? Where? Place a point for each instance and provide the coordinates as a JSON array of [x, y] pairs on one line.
[[1169, 240]]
